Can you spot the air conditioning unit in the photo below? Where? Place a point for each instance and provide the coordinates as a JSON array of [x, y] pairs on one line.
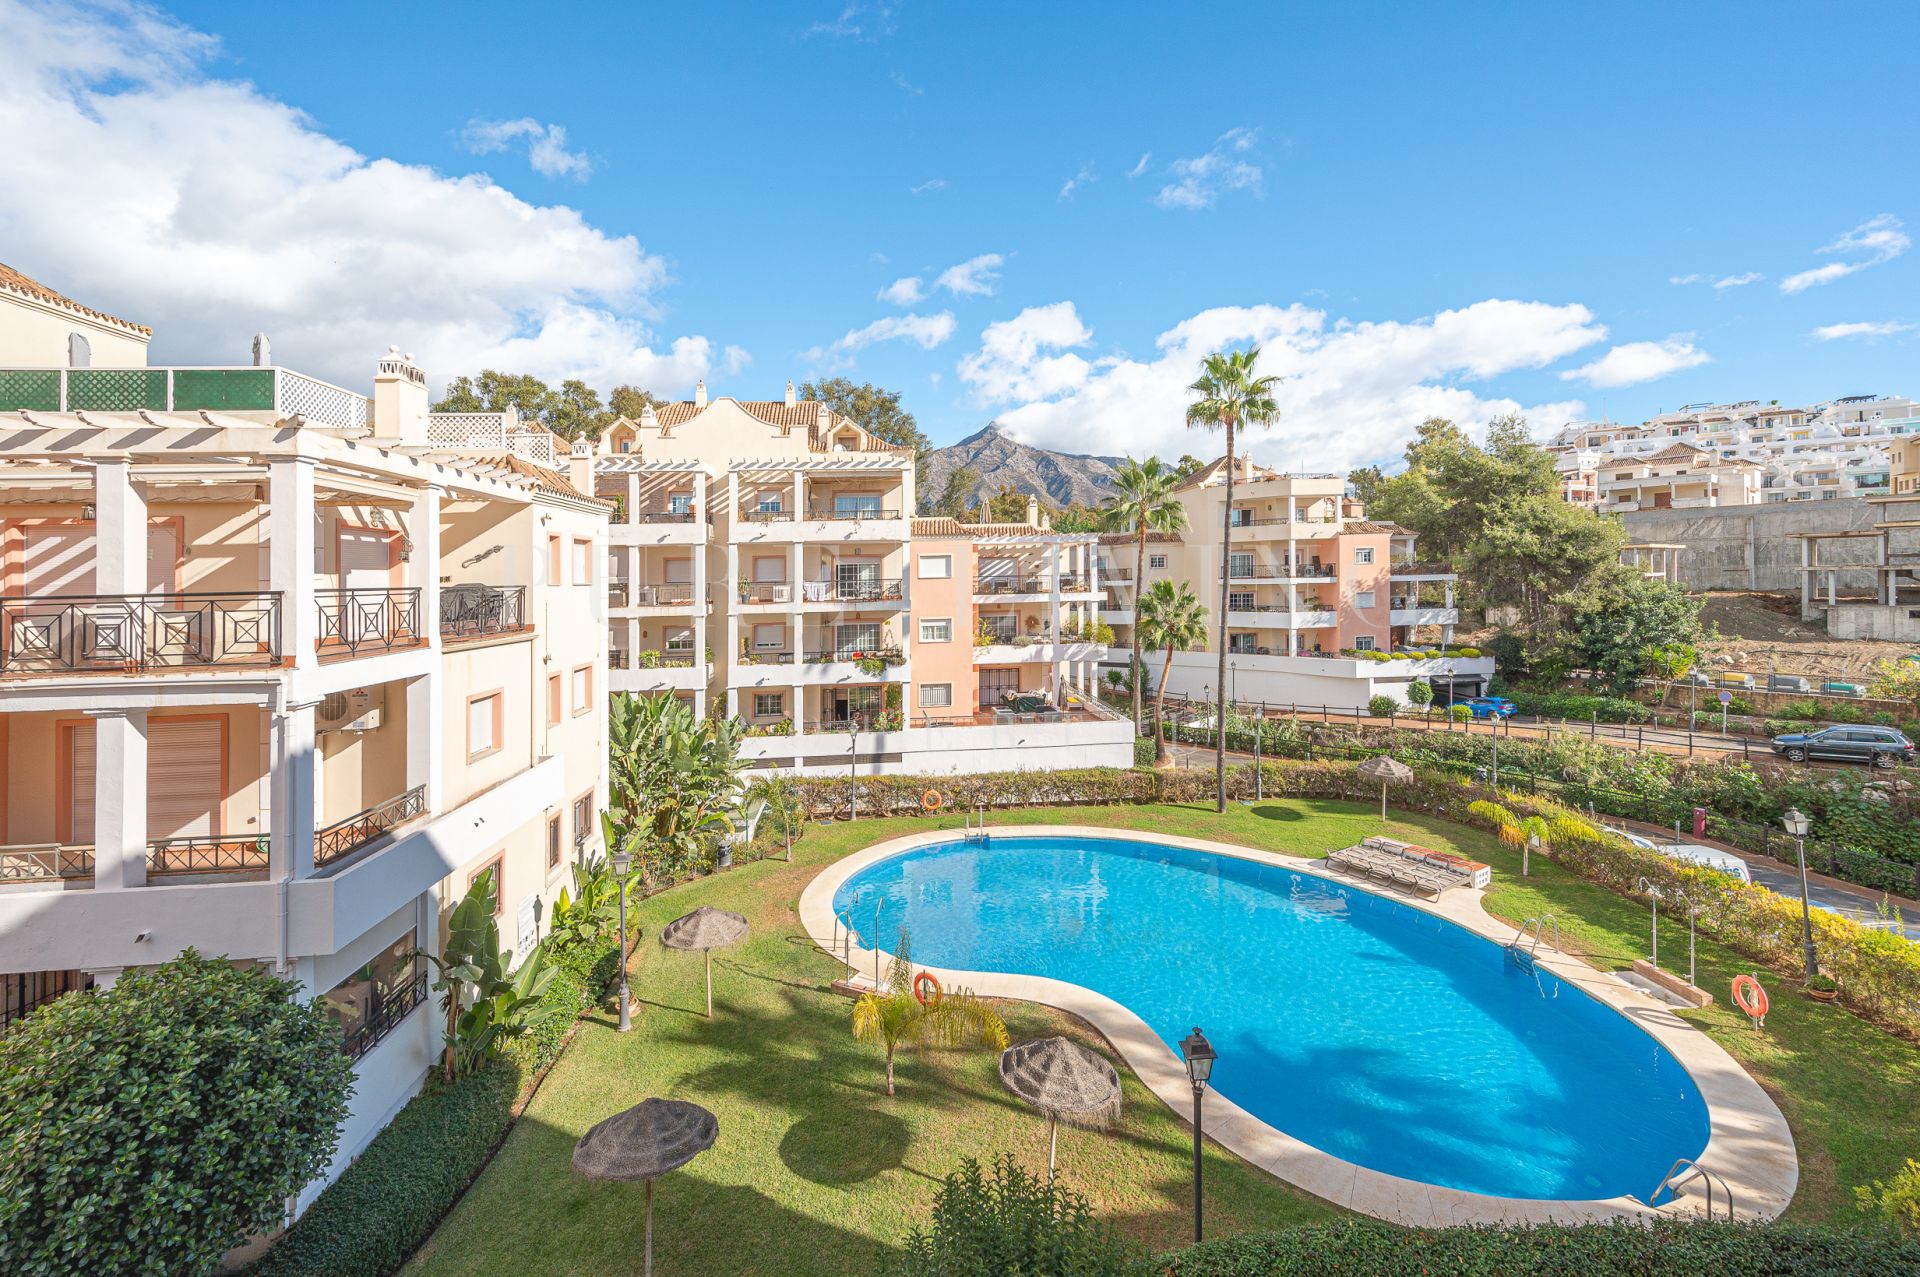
[[354, 711], [783, 594]]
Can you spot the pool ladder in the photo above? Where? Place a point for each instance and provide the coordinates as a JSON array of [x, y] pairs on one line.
[[1683, 1172], [1525, 945], [971, 833]]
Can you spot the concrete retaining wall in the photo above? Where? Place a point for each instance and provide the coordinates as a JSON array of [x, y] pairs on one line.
[[1756, 547]]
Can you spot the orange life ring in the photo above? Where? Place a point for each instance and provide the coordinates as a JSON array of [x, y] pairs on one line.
[[919, 987], [932, 801], [1750, 997]]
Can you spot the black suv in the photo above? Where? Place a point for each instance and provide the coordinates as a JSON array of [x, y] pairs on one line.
[[1881, 746]]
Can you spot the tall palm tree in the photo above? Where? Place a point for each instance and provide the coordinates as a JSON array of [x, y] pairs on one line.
[[896, 1018], [1170, 615], [1228, 395], [1142, 502]]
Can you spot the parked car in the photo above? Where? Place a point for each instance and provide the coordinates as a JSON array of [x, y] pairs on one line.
[[1491, 707], [1695, 853], [1842, 689], [1742, 681], [1880, 746], [1788, 683]]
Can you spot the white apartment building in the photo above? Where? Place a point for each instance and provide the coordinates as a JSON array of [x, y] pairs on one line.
[[279, 676], [1840, 448], [765, 563], [1314, 588]]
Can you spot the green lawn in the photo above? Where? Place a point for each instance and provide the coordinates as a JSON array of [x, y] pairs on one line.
[[816, 1166]]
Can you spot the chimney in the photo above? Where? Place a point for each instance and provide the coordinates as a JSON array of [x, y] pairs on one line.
[[399, 400], [700, 394], [263, 351], [1033, 511], [1246, 467], [790, 398], [580, 466]]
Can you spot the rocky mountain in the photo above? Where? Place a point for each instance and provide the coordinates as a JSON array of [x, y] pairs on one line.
[[1057, 478]]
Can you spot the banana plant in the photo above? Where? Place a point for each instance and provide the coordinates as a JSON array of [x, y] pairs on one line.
[[486, 1001]]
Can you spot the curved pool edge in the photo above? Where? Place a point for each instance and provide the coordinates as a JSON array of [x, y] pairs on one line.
[[1749, 1144]]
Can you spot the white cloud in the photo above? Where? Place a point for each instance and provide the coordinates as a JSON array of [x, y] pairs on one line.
[[904, 291], [924, 331], [936, 184], [1353, 391], [973, 277], [1202, 179], [230, 213], [1878, 239], [1739, 281], [1694, 278], [1839, 332], [1082, 178], [905, 85], [864, 22], [1640, 361], [546, 145], [1141, 166]]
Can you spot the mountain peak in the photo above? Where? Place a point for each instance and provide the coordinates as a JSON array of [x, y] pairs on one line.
[[1057, 478]]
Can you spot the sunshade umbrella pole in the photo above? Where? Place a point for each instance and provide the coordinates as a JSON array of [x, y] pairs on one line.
[[649, 1272], [1053, 1145], [708, 953], [705, 929], [1383, 802]]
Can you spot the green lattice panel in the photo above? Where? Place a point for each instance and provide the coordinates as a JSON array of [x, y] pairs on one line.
[[223, 389], [29, 390], [116, 389]]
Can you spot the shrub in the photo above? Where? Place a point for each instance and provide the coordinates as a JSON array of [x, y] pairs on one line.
[[1420, 693], [1013, 1223], [370, 1221], [149, 1127], [1143, 751], [1368, 1248], [1799, 711], [1382, 706], [1896, 1200], [1569, 705], [1466, 651], [1459, 713]]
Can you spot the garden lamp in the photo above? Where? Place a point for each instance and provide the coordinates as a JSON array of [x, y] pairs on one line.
[[622, 861], [1199, 1056], [1797, 823]]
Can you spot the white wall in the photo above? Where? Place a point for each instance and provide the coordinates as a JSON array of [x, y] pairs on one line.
[[1303, 680], [952, 751]]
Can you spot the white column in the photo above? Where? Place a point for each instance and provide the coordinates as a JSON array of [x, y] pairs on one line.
[[1806, 576], [119, 797], [1054, 620], [633, 497], [423, 568], [291, 554], [423, 733], [296, 792], [799, 494], [120, 530], [700, 604]]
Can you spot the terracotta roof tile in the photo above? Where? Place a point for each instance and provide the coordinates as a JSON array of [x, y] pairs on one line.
[[14, 280], [550, 482]]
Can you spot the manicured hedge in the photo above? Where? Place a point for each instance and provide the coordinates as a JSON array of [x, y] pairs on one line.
[[1365, 1248], [1573, 706]]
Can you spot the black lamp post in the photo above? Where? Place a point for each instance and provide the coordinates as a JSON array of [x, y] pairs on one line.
[[537, 910], [622, 861], [1199, 1055], [1797, 823]]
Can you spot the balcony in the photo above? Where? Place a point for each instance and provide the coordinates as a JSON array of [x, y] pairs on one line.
[[280, 391], [363, 829], [820, 524], [1034, 587], [482, 611], [865, 590], [57, 862], [138, 633], [1278, 617], [663, 594], [368, 620], [1405, 612], [1282, 572]]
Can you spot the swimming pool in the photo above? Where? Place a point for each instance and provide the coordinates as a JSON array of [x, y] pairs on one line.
[[1363, 1027]]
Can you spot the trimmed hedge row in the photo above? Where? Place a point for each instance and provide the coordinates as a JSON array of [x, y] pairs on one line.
[[1579, 708], [1366, 1248]]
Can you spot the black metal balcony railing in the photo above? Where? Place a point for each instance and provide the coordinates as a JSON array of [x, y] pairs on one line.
[[369, 618], [766, 656], [1280, 572], [470, 611], [660, 594], [854, 652], [753, 514], [1282, 520], [136, 632], [344, 837], [663, 516], [1029, 584], [857, 513], [42, 861], [208, 854], [389, 1008]]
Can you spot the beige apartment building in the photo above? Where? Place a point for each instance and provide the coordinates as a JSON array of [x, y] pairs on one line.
[[1313, 587], [764, 562], [280, 673]]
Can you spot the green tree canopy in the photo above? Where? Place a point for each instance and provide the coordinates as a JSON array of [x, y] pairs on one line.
[[573, 410], [875, 410], [150, 1127], [1627, 624], [955, 500]]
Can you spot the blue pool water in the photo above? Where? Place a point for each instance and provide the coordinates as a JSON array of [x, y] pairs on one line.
[[1365, 1028]]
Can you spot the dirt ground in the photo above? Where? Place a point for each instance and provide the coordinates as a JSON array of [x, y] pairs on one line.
[[1763, 633]]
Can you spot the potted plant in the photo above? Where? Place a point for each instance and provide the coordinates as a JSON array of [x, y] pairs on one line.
[[1821, 988]]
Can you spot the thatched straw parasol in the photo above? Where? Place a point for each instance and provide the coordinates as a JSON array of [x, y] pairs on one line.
[[705, 929], [644, 1143], [1065, 1081], [1387, 771]]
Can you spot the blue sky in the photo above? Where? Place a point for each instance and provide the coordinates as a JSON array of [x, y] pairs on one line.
[[732, 188]]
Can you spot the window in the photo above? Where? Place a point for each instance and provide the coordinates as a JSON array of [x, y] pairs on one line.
[[498, 868], [583, 819], [936, 695], [378, 996], [582, 690], [679, 503], [770, 502], [769, 704], [856, 505], [484, 727], [553, 842], [1156, 560], [1241, 642], [769, 638], [626, 445], [556, 700], [937, 631], [582, 562], [770, 569], [679, 642], [855, 636], [1363, 554], [553, 560], [1363, 643], [1363, 598], [936, 567], [859, 579], [1239, 564], [1241, 517], [1240, 601]]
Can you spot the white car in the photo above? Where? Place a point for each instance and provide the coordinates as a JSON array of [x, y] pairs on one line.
[[1707, 857]]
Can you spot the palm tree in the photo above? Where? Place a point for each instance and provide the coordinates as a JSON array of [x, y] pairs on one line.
[[896, 1018], [1228, 395], [1170, 616], [1142, 502]]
